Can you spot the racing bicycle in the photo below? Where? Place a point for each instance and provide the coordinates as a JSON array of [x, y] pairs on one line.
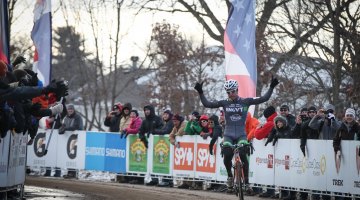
[[238, 168]]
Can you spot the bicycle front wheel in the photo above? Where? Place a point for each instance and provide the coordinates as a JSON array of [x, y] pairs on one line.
[[240, 180]]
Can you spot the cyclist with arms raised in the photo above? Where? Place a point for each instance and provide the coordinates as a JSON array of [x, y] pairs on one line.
[[235, 109]]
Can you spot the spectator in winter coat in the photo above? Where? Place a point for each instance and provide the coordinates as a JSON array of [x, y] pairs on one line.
[[306, 131], [300, 119], [149, 124], [281, 130], [134, 125], [193, 126], [349, 130], [217, 131], [284, 111], [206, 131], [167, 126], [263, 131], [325, 122], [72, 120], [250, 126], [112, 120], [125, 116], [179, 127]]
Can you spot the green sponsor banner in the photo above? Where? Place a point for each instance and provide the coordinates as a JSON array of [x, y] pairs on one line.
[[161, 155], [137, 155]]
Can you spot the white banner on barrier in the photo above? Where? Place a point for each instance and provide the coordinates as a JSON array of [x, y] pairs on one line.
[[282, 162], [221, 173], [4, 153], [316, 164], [71, 150], [17, 159], [354, 167], [338, 168], [184, 157], [262, 164], [35, 152], [205, 165], [297, 165]]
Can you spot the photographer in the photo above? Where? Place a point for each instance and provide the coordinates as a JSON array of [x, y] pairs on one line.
[[112, 120], [325, 122], [301, 118]]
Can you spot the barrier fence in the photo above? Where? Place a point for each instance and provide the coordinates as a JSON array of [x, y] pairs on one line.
[[281, 165]]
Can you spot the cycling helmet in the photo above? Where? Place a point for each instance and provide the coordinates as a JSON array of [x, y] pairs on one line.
[[231, 85]]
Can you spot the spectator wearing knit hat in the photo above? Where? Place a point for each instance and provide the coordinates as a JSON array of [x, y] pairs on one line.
[[325, 122], [72, 120], [349, 130], [206, 130], [179, 127], [193, 126], [112, 120], [263, 131], [168, 124]]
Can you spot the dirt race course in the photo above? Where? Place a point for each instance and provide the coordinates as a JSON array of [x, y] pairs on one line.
[[103, 190]]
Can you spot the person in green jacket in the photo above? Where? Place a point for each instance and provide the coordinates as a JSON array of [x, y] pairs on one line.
[[193, 127]]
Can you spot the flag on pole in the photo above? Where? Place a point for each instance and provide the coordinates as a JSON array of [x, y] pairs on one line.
[[41, 36], [4, 32], [239, 44]]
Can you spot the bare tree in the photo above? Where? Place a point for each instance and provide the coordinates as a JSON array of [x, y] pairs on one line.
[[178, 65]]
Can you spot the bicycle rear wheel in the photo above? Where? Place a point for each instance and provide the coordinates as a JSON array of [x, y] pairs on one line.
[[240, 180]]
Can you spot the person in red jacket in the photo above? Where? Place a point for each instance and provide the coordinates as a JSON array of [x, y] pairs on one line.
[[263, 131], [134, 125]]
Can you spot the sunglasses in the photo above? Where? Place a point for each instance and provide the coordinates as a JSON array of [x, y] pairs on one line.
[[283, 110], [211, 122], [231, 91], [204, 121]]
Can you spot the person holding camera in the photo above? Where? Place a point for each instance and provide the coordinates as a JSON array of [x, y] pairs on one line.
[[325, 122], [112, 120]]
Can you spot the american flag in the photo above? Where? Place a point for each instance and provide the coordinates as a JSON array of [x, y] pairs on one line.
[[41, 36], [4, 32], [239, 43]]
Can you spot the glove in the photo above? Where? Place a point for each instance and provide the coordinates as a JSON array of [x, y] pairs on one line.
[[211, 149], [126, 135], [60, 88], [143, 139], [331, 116], [275, 141], [303, 150], [198, 87], [35, 107], [18, 60], [148, 134], [34, 79], [274, 82], [211, 146], [267, 142], [359, 151]]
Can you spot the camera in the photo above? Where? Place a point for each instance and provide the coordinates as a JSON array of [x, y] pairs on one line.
[[304, 117]]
